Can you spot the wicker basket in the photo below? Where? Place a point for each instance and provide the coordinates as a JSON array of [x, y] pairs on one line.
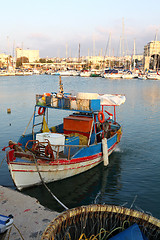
[[87, 221]]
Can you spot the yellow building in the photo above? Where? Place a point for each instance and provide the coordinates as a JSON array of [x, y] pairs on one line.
[[32, 55], [3, 58], [152, 48], [151, 54]]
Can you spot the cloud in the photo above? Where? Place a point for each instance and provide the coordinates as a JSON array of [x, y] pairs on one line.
[[54, 43], [40, 37]]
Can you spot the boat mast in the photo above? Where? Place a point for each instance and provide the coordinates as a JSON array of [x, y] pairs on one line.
[[93, 46], [134, 55], [79, 52], [123, 41], [120, 51], [110, 50], [8, 54], [105, 53]]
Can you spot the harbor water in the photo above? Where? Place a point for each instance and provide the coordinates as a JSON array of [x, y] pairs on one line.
[[132, 178]]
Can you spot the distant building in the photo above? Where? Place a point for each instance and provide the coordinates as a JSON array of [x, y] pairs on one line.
[[3, 59], [32, 55], [151, 55], [152, 48]]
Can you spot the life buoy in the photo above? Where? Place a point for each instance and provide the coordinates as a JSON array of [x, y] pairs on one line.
[[101, 117], [41, 110]]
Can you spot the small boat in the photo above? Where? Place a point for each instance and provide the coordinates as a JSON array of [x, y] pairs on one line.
[[54, 73], [68, 73], [103, 222], [80, 142], [75, 73], [112, 73], [5, 223], [142, 77], [85, 73], [153, 76], [128, 75], [95, 73]]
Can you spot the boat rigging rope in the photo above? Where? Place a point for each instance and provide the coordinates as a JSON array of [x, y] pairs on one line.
[[47, 187], [2, 161], [28, 125]]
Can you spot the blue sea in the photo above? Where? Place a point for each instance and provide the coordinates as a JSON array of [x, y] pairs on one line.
[[132, 178]]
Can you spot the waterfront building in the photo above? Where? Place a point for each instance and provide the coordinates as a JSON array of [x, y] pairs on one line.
[[152, 55], [32, 55], [3, 60], [7, 62]]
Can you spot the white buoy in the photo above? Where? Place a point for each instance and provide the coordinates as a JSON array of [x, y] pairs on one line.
[[105, 151]]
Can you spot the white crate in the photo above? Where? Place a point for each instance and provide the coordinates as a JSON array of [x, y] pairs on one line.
[[54, 138]]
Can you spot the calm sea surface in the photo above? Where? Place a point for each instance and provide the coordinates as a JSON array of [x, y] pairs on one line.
[[132, 178]]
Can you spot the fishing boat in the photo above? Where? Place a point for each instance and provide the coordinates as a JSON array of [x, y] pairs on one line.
[[84, 138]]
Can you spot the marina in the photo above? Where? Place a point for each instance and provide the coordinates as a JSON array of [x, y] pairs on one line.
[[132, 176], [79, 129]]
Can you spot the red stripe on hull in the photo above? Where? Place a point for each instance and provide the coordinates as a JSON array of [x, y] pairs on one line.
[[62, 162], [58, 169]]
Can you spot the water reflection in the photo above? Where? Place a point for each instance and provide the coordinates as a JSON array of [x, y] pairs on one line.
[[89, 187], [135, 171], [152, 94]]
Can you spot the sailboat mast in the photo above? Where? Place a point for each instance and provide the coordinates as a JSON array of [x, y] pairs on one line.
[[110, 50], [120, 51], [134, 54], [123, 40]]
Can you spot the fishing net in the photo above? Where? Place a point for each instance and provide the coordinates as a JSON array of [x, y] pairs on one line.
[[99, 222]]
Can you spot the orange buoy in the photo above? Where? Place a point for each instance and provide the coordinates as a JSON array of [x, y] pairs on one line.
[[101, 117], [8, 110]]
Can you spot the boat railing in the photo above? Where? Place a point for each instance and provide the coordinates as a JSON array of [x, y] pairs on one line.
[[53, 151], [68, 150]]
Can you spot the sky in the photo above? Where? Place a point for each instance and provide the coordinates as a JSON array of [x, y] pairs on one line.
[[58, 27]]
